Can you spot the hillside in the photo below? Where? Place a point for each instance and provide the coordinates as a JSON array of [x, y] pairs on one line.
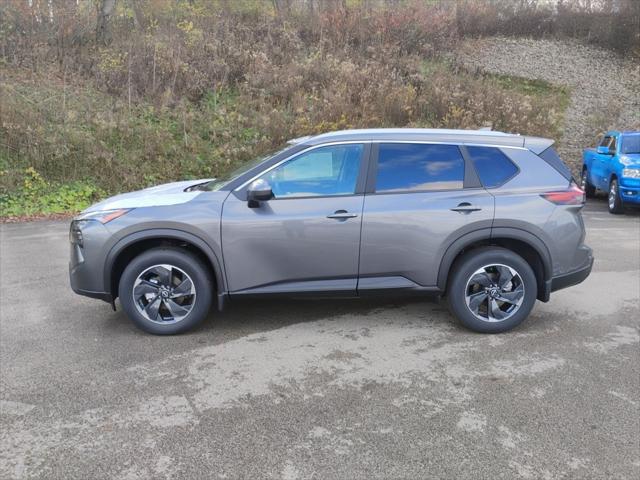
[[604, 89], [97, 104]]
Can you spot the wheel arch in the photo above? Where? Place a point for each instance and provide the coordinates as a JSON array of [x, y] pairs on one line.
[[524, 243], [132, 245]]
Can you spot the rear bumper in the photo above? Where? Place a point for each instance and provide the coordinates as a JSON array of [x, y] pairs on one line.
[[572, 278]]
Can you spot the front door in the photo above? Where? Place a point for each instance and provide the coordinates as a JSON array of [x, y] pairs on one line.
[[307, 238], [601, 165]]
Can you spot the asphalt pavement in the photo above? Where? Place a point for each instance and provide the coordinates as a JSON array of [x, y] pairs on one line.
[[348, 389]]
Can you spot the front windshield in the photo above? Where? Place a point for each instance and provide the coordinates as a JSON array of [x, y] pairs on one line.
[[225, 179], [630, 143]]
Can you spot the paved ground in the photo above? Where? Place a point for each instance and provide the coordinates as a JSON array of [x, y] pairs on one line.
[[347, 389]]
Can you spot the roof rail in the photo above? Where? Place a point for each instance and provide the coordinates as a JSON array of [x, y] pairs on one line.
[[481, 136], [295, 141]]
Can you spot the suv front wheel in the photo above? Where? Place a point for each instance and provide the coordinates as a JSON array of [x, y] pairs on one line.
[[491, 290], [614, 199], [166, 291]]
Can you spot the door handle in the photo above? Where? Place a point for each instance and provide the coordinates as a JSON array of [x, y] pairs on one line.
[[465, 207], [342, 215]]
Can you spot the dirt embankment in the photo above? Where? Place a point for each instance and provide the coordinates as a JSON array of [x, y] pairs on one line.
[[605, 87]]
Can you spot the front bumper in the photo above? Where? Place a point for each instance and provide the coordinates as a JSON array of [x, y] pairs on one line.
[[75, 279], [86, 261], [629, 193]]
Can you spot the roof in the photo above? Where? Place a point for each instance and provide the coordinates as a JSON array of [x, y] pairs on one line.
[[622, 132], [474, 137]]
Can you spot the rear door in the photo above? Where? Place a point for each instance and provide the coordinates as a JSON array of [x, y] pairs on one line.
[[420, 198]]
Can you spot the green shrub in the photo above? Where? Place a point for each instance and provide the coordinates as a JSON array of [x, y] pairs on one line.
[[37, 196]]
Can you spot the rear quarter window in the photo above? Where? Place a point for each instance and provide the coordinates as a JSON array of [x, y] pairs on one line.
[[551, 157], [493, 167]]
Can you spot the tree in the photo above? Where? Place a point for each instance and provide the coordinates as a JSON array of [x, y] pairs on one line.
[[105, 12]]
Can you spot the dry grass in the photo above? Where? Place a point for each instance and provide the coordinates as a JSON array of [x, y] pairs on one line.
[[194, 88]]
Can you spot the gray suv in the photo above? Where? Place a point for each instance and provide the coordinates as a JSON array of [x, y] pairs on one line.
[[488, 220]]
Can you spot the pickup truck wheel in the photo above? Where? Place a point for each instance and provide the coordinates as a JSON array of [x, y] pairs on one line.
[[589, 190], [615, 201], [491, 290], [165, 291]]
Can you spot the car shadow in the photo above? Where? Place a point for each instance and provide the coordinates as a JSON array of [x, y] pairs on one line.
[[263, 314], [242, 317]]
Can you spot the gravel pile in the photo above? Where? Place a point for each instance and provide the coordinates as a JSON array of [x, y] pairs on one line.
[[605, 87]]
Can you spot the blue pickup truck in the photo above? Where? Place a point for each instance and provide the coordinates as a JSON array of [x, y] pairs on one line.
[[614, 167]]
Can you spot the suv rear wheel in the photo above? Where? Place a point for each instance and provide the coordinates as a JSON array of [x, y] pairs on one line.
[[491, 290], [166, 291], [589, 190]]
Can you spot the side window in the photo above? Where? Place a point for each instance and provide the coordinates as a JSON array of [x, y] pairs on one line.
[[630, 143], [406, 167], [493, 166], [612, 145], [605, 141], [324, 171]]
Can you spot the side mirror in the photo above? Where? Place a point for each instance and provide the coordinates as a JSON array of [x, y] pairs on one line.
[[604, 150], [258, 191]]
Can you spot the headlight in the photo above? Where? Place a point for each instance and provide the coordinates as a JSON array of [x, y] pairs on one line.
[[104, 216], [631, 172], [75, 233]]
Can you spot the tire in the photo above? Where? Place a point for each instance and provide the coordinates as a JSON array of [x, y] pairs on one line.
[[173, 291], [589, 190], [521, 289], [614, 200]]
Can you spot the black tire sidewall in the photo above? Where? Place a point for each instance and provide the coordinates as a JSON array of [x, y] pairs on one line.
[[589, 190], [472, 261], [184, 260], [618, 207]]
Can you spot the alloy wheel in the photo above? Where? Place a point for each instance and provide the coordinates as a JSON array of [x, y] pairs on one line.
[[494, 293], [164, 294], [613, 193]]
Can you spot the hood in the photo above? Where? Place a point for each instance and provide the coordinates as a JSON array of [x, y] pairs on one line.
[[161, 195]]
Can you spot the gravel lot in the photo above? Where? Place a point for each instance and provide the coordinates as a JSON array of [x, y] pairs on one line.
[[605, 87], [331, 389]]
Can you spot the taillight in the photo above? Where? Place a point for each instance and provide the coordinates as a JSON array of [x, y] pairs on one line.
[[574, 195]]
